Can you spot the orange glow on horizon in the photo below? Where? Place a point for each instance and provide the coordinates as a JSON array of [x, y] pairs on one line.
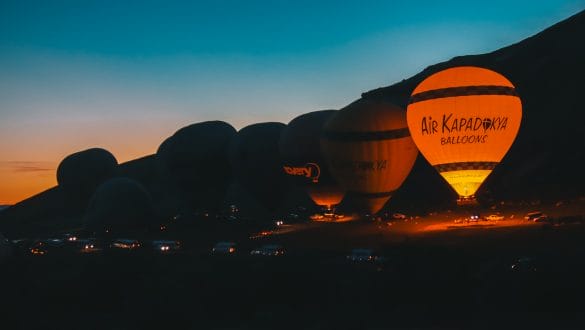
[[31, 153], [26, 178], [43, 143], [21, 180]]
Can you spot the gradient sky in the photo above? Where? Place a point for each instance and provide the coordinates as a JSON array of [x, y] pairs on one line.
[[124, 75]]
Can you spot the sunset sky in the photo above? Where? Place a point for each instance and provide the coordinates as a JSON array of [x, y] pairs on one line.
[[125, 75]]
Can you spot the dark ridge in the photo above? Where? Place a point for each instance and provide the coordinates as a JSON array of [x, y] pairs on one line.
[[547, 70]]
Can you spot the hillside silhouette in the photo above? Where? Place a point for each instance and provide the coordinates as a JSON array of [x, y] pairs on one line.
[[548, 155]]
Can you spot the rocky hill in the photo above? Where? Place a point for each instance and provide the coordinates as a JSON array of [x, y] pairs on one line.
[[547, 159]]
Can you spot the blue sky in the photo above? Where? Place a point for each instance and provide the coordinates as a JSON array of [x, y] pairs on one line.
[[123, 75], [241, 60]]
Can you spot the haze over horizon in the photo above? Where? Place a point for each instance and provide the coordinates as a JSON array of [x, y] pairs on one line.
[[124, 77]]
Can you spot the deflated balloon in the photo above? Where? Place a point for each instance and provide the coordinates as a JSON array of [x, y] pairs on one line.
[[256, 164], [463, 120], [369, 151], [303, 160], [119, 204]]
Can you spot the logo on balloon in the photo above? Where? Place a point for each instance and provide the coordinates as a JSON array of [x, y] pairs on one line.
[[310, 170], [448, 124], [477, 126]]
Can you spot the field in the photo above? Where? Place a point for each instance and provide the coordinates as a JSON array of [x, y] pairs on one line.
[[434, 274]]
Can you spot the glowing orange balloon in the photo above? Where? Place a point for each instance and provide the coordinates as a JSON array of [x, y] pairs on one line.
[[369, 151], [463, 120], [303, 160]]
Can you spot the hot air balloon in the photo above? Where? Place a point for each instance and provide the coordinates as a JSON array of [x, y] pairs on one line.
[[256, 163], [303, 160], [80, 173], [195, 158], [463, 120], [369, 151], [120, 204]]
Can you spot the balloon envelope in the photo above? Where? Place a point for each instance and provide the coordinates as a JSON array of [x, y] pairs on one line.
[[303, 160], [80, 173], [197, 153], [120, 204], [256, 164], [464, 120], [369, 151], [196, 159]]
